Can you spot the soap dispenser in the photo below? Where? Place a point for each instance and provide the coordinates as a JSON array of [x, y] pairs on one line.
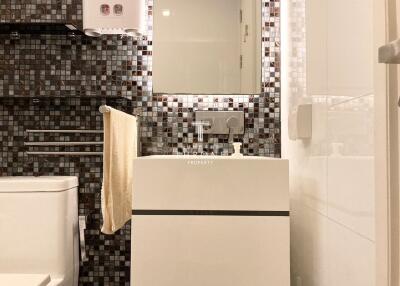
[[236, 146]]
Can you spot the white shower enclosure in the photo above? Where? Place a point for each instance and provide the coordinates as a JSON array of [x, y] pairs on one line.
[[344, 179]]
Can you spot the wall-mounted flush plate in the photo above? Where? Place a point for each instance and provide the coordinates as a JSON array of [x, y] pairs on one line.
[[220, 121]]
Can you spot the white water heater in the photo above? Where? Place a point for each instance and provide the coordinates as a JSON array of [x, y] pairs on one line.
[[110, 17]]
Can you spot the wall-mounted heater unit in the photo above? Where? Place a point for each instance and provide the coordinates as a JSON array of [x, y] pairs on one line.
[[110, 17]]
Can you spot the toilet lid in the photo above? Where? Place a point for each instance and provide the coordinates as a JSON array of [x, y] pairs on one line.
[[16, 279]]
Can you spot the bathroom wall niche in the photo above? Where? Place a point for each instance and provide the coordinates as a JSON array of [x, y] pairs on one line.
[[207, 46]]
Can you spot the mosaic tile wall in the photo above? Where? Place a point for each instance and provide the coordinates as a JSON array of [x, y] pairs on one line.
[[71, 77], [109, 255], [41, 11], [61, 65]]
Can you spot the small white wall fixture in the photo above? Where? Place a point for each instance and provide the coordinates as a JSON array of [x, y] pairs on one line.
[[300, 122]]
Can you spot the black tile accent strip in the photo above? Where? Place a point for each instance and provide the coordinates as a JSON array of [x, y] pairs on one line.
[[208, 213], [38, 29]]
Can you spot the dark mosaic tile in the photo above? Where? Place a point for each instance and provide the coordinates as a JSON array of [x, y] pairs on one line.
[[109, 256], [62, 66], [40, 11], [72, 77]]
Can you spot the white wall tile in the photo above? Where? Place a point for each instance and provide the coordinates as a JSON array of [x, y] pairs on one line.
[[351, 257], [330, 65]]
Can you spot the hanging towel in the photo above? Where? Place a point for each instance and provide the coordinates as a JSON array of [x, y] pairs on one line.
[[120, 149]]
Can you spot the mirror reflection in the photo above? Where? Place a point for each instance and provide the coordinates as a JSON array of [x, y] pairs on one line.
[[207, 46]]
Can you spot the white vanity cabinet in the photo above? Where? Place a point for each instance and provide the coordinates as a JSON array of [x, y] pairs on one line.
[[210, 221]]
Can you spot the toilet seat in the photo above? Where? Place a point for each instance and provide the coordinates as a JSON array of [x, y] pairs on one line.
[[17, 279]]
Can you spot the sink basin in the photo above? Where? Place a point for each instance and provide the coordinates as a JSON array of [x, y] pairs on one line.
[[185, 182], [210, 220]]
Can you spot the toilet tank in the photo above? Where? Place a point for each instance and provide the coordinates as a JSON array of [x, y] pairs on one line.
[[39, 226]]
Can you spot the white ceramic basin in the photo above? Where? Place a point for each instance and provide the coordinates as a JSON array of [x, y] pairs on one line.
[[181, 182], [210, 220]]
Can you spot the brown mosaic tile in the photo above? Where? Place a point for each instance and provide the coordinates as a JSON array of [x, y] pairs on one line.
[[40, 11], [72, 76]]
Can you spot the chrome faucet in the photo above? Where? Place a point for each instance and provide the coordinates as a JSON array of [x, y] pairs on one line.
[[200, 126], [220, 122]]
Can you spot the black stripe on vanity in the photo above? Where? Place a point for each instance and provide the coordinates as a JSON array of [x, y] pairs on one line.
[[210, 213]]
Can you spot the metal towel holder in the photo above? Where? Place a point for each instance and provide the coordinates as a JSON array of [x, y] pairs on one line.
[[102, 109]]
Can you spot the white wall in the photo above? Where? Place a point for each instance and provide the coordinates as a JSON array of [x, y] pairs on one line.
[[328, 60]]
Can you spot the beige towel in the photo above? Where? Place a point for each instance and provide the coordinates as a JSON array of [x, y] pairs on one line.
[[120, 148]]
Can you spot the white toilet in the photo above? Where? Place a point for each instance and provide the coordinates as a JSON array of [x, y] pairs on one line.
[[39, 241]]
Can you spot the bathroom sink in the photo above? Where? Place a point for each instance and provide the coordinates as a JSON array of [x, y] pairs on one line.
[[186, 182], [197, 220]]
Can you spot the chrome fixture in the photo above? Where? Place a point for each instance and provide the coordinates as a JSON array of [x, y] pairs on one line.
[[102, 109], [200, 127], [66, 143], [232, 123], [82, 227], [222, 122], [64, 131], [138, 114], [62, 143], [56, 153], [105, 108], [71, 34]]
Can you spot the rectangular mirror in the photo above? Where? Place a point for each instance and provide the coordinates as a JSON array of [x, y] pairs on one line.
[[207, 46]]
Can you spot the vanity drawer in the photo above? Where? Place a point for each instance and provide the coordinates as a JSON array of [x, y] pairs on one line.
[[210, 183], [207, 250]]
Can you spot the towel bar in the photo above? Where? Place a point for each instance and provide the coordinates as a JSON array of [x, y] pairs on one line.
[[66, 153], [64, 131], [104, 109], [62, 143]]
